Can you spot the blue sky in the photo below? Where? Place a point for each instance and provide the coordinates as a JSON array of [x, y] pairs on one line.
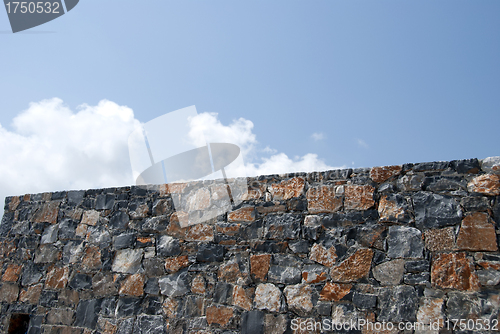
[[377, 82]]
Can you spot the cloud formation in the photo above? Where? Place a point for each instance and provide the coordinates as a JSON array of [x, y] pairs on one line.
[[51, 147], [317, 136]]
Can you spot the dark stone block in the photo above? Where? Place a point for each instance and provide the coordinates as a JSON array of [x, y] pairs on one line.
[[35, 326], [296, 204], [152, 287], [32, 274], [431, 166], [364, 300], [67, 229], [7, 222], [496, 210], [252, 230], [301, 246], [349, 218], [397, 304], [29, 242], [58, 195], [47, 254], [417, 266], [108, 307], [192, 306], [98, 235], [105, 202], [124, 240], [404, 242], [119, 205], [223, 293], [463, 305], [138, 191], [337, 174], [280, 227], [87, 313], [417, 278], [467, 166], [210, 253], [284, 274], [155, 224], [48, 299], [175, 285], [107, 259], [153, 305], [128, 306], [81, 282], [311, 232], [119, 220], [154, 267], [168, 246], [88, 203], [75, 197], [440, 183], [324, 308], [252, 322], [434, 211], [270, 246], [150, 324], [475, 203]]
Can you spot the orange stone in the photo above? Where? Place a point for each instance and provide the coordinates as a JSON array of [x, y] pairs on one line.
[[354, 267], [382, 174], [241, 299], [259, 265], [229, 272], [390, 211], [488, 184], [133, 286], [172, 188], [31, 295], [90, 217], [47, 213], [358, 197], [12, 273], [220, 315], [320, 254], [313, 277], [230, 230], [176, 228], [200, 232], [288, 189], [174, 264], [440, 239], [57, 278], [489, 265], [81, 230], [242, 215], [322, 199], [334, 291], [14, 202], [477, 233], [454, 271], [170, 307], [198, 285], [92, 258]]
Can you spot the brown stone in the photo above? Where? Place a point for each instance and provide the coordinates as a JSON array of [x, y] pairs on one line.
[[358, 197], [198, 199], [454, 271], [272, 208], [299, 298], [81, 230], [14, 202], [200, 232], [242, 215], [390, 211], [334, 291], [9, 293], [70, 297], [12, 273], [267, 297], [320, 254], [60, 316], [241, 299], [354, 267], [198, 285], [488, 184], [90, 217], [92, 258], [57, 278], [177, 228], [170, 307], [172, 188], [489, 265], [431, 311], [287, 189], [259, 265], [47, 213], [312, 277], [477, 233], [31, 295], [382, 174], [437, 240], [323, 199], [106, 326], [6, 248], [103, 285], [140, 212], [219, 315], [229, 272], [228, 229], [174, 264], [133, 286]]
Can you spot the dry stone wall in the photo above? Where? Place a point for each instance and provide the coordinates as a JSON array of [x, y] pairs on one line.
[[416, 243]]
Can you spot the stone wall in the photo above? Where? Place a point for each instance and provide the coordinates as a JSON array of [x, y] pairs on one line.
[[397, 244]]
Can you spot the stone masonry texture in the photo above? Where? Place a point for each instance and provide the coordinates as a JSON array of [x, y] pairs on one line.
[[408, 243]]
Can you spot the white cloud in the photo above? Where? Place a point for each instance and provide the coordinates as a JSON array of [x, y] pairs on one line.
[[52, 147], [362, 143], [317, 136]]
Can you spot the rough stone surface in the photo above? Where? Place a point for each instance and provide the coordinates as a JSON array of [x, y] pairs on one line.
[[242, 215], [434, 211], [404, 242], [323, 199], [454, 271], [382, 174], [488, 184], [57, 278], [174, 285], [267, 297], [442, 239], [393, 208], [287, 189], [281, 227], [390, 272], [477, 233], [128, 261], [133, 286], [358, 197], [354, 267], [219, 315], [299, 298], [12, 273], [335, 291], [174, 264], [9, 292], [398, 304], [431, 311], [320, 254], [259, 265]]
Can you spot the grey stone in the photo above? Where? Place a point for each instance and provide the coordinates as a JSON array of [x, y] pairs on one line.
[[270, 246], [286, 226], [98, 235], [60, 316], [466, 166], [343, 219], [364, 300], [462, 305], [124, 240], [223, 293], [252, 322], [284, 274], [80, 282], [441, 183], [48, 299], [175, 285], [152, 287], [73, 251], [150, 324], [47, 254], [87, 313], [408, 183], [324, 308], [390, 273], [434, 166], [108, 307], [168, 246], [198, 323], [128, 261], [154, 267], [404, 242], [192, 306], [35, 326], [125, 326], [20, 228], [75, 197], [105, 202], [119, 220], [301, 246], [67, 229], [210, 253], [475, 203], [417, 266], [155, 224], [49, 236], [153, 305], [103, 285], [434, 211], [488, 277], [397, 304], [488, 165], [31, 274], [7, 222], [417, 278], [128, 306]]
